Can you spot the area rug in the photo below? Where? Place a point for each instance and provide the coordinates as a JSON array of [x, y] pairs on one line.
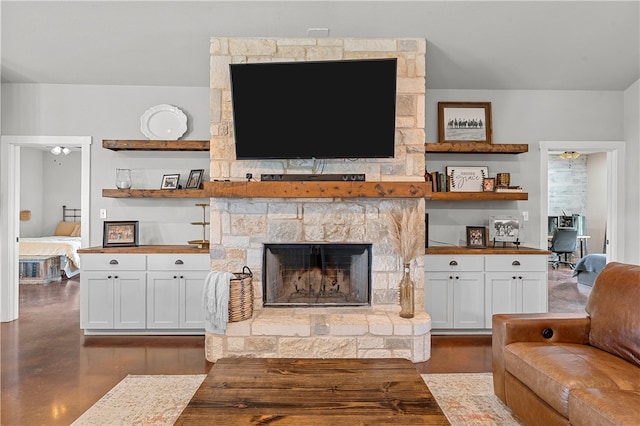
[[466, 399]]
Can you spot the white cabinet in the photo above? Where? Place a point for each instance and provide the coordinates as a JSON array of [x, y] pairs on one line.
[[464, 291], [142, 293], [455, 291], [174, 291], [112, 291], [515, 283]]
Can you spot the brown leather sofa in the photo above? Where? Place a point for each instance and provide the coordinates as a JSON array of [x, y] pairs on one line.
[[578, 369]]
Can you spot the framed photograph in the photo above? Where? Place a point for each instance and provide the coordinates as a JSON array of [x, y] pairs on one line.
[[195, 179], [464, 122], [466, 179], [476, 237], [488, 184], [504, 228], [170, 181], [120, 234]]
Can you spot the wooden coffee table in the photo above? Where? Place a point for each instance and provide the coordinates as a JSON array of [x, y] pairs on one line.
[[305, 391]]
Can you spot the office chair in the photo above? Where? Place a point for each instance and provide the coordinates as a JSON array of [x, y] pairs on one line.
[[564, 242]]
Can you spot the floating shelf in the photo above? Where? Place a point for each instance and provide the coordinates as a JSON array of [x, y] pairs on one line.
[[478, 196], [295, 189], [154, 193], [474, 148], [148, 145]]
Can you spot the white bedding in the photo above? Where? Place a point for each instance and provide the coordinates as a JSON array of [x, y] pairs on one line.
[[54, 246]]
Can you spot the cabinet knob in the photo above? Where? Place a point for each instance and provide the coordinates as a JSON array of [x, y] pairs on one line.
[[181, 276], [453, 263], [115, 276], [109, 276], [516, 263], [175, 276], [457, 278], [513, 278], [179, 262], [450, 277], [113, 262], [519, 278]]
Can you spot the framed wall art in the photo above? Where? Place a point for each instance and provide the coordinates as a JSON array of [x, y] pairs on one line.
[[464, 122], [170, 181], [195, 179], [488, 184], [476, 237], [120, 234], [466, 179]]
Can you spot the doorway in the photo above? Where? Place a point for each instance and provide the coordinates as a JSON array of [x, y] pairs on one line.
[[615, 188], [10, 202]]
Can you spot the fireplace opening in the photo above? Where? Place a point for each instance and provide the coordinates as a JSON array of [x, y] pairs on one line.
[[317, 275]]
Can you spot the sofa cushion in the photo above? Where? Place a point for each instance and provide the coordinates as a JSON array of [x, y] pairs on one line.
[[602, 407], [552, 370], [613, 308]]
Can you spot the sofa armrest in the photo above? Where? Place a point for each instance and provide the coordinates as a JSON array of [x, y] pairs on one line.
[[543, 327]]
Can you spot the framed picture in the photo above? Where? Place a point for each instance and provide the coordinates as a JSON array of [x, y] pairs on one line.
[[195, 179], [170, 181], [476, 237], [464, 122], [504, 228], [488, 184], [466, 179], [120, 234]]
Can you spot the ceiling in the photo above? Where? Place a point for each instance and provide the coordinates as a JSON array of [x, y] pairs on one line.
[[500, 45]]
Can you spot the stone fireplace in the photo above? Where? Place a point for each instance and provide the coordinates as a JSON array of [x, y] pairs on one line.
[[241, 228]]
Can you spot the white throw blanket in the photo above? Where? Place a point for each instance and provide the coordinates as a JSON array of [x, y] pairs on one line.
[[215, 301]]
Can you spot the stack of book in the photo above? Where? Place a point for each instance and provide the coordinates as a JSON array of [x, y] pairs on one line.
[[439, 181], [508, 189]]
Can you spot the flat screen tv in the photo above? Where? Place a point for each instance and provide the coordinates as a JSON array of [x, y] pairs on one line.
[[319, 109]]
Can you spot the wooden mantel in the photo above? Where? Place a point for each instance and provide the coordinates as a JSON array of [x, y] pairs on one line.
[[306, 189]]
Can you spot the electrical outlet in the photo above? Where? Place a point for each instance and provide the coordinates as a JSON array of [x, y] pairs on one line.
[[525, 216], [103, 213]]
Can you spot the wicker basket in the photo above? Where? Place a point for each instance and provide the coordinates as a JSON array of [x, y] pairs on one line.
[[241, 296]]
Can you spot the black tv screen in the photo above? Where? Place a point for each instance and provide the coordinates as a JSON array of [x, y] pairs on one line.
[[323, 109]]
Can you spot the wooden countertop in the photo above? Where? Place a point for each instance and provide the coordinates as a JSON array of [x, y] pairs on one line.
[[509, 249], [150, 249]]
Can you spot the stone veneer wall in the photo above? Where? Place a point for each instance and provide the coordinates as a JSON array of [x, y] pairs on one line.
[[239, 227]]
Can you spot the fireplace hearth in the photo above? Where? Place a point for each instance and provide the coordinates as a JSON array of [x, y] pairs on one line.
[[317, 275]]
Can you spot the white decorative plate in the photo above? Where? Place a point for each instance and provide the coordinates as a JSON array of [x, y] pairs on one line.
[[163, 122]]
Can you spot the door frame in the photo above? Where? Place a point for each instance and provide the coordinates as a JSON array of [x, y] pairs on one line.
[[10, 205], [615, 185]]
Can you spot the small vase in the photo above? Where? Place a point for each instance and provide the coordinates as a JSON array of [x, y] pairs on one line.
[[406, 293], [123, 178]]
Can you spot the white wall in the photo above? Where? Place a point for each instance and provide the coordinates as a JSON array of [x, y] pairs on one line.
[[632, 136], [113, 112], [61, 184], [596, 214], [518, 116], [31, 191]]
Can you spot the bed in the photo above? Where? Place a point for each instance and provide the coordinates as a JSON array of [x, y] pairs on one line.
[[588, 268], [43, 259]]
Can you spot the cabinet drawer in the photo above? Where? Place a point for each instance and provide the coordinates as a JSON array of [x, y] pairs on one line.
[[174, 262], [454, 262], [106, 262], [514, 262]]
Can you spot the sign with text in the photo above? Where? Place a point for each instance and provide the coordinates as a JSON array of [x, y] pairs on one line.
[[466, 179]]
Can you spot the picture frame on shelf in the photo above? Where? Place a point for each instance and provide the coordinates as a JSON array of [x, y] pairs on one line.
[[466, 178], [488, 184], [170, 181], [504, 228], [120, 234], [464, 122], [195, 179], [476, 237]]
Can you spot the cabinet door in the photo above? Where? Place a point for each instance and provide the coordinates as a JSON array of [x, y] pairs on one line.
[[439, 298], [468, 300], [191, 310], [96, 299], [163, 293], [534, 292], [130, 300], [502, 295]]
